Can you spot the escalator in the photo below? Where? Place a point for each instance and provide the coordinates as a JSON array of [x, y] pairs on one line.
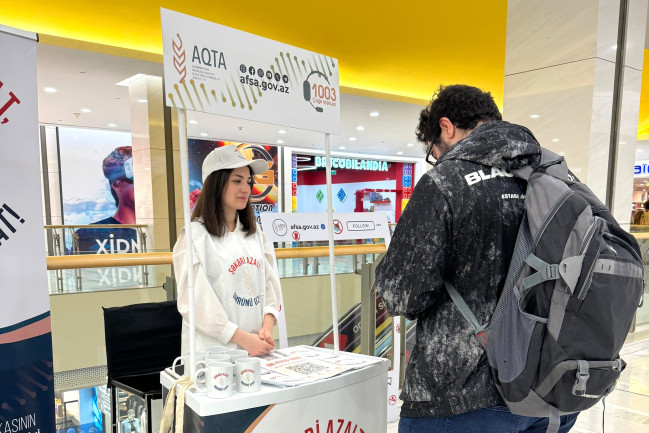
[[349, 331]]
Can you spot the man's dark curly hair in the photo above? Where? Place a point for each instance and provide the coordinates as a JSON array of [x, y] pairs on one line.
[[463, 105]]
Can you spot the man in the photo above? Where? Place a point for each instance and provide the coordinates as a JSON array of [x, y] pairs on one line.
[[460, 225], [118, 170], [131, 424]]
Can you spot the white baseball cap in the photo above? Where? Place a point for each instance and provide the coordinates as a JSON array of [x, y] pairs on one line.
[[228, 157]]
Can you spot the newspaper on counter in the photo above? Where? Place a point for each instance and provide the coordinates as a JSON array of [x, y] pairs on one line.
[[281, 380], [301, 368], [298, 365], [305, 351], [343, 358]]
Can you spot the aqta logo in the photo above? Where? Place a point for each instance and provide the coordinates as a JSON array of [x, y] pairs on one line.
[[335, 426], [179, 57]]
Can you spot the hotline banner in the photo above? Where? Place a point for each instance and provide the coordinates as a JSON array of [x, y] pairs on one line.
[[26, 375], [216, 69]]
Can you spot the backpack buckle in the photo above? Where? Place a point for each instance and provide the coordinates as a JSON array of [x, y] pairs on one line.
[[551, 272], [579, 388]]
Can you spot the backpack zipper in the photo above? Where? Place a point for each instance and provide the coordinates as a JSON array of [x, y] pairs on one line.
[[584, 290], [622, 243], [589, 281], [551, 215]]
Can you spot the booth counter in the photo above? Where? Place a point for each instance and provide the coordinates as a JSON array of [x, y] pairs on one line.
[[353, 402]]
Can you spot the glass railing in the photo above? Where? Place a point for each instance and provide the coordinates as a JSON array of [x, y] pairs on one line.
[[95, 239], [106, 278], [319, 265]]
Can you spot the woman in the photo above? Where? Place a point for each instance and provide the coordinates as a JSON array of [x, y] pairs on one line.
[[236, 286]]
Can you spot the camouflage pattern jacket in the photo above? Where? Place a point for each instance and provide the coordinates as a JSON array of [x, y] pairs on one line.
[[460, 225]]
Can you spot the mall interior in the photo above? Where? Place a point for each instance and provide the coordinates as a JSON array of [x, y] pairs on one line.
[[556, 67]]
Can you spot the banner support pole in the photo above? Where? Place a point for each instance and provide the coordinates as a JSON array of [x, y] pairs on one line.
[[332, 262], [189, 250]]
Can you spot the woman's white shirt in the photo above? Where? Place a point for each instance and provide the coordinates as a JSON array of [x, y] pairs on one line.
[[235, 283]]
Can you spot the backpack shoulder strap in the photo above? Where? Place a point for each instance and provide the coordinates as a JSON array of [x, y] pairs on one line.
[[554, 164], [464, 309]]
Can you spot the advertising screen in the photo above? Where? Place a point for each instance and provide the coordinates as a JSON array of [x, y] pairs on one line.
[[98, 188]]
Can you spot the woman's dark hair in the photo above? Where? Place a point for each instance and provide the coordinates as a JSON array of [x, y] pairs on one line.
[[464, 106], [209, 207]]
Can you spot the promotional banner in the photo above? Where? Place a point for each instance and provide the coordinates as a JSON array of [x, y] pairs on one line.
[[216, 69], [26, 376], [294, 227]]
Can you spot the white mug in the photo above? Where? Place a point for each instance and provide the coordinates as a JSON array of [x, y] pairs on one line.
[[213, 357], [216, 349], [200, 355], [210, 357], [248, 372], [217, 377], [236, 354]]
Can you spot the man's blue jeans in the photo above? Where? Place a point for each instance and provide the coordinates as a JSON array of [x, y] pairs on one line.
[[493, 419]]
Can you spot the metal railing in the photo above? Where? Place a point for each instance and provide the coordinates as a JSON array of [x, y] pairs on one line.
[[166, 258]]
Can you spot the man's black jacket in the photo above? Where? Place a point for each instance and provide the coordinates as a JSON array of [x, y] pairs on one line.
[[460, 225]]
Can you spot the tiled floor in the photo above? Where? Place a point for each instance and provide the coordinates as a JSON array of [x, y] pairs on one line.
[[627, 408]]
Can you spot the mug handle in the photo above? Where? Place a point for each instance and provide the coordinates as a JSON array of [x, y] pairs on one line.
[[198, 372], [177, 360], [202, 363]]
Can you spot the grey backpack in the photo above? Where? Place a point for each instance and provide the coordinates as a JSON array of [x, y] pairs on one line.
[[574, 283]]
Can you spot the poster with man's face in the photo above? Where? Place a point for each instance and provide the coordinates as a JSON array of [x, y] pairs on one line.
[[98, 189], [264, 195]]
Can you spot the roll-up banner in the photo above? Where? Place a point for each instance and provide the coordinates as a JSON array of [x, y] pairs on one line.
[[220, 70], [26, 375]]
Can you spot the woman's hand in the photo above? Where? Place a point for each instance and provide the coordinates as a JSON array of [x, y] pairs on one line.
[[267, 336], [266, 331], [251, 343], [256, 346]]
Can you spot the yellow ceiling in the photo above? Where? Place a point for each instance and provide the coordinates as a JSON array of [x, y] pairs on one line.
[[403, 49], [643, 119]]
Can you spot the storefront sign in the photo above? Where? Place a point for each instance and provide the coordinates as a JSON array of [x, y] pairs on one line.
[[352, 163], [641, 169], [216, 69], [293, 227], [27, 390]]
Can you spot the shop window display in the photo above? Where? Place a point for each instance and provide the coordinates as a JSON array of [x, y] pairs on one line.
[[639, 221], [359, 185], [78, 411]]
